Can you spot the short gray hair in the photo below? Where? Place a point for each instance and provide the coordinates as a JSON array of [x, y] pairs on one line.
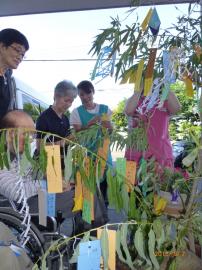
[[65, 88]]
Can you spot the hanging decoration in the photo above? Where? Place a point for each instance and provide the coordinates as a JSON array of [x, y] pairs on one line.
[[149, 71], [54, 173], [140, 68], [105, 64], [154, 22]]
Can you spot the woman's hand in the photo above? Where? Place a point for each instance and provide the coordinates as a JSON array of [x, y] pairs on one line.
[[94, 120]]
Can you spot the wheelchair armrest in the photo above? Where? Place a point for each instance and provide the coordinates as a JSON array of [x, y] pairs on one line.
[[51, 223], [4, 202]]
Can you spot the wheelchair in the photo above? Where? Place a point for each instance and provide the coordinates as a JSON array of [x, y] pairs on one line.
[[40, 237]]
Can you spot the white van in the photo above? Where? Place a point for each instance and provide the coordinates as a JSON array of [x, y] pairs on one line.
[[28, 99]]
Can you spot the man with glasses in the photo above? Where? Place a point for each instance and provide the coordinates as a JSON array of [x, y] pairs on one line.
[[13, 46]]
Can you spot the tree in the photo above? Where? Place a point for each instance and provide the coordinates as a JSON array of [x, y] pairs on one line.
[[118, 117], [188, 119]]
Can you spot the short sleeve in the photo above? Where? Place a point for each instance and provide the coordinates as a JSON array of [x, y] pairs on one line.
[[41, 125], [109, 112], [74, 118]]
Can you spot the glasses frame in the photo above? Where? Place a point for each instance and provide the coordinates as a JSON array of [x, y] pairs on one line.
[[18, 51]]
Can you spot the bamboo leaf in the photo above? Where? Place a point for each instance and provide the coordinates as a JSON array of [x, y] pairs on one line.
[[35, 267], [43, 157], [1, 162], [61, 262], [151, 244], [125, 198], [173, 265], [161, 239], [2, 141], [189, 159], [68, 164], [157, 227], [105, 247], [24, 164], [27, 149], [139, 245], [132, 206], [43, 264], [118, 246], [123, 232]]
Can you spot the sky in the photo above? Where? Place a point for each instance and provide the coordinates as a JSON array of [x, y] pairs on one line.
[[69, 36]]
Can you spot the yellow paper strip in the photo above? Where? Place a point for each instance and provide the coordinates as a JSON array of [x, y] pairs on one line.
[[189, 87], [147, 85], [131, 172], [139, 75], [146, 19], [53, 170], [78, 197]]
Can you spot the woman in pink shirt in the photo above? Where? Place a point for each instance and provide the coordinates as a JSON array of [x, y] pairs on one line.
[[156, 122]]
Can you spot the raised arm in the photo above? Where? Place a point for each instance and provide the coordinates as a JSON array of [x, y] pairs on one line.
[[173, 103], [131, 103]]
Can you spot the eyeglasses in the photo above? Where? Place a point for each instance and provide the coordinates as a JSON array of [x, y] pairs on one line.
[[18, 51]]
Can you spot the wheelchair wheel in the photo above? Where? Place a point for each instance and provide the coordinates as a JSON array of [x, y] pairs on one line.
[[35, 245]]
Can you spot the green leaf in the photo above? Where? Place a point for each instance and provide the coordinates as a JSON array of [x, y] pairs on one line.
[[189, 159], [161, 239], [151, 245], [35, 267], [6, 161], [1, 162], [24, 164], [132, 206], [27, 149], [118, 246], [61, 262], [2, 141], [43, 157], [125, 197], [43, 264], [123, 232], [173, 265], [68, 164], [105, 247], [139, 245], [157, 227]]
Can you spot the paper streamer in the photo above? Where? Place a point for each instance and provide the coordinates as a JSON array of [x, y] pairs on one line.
[[149, 71], [89, 255], [189, 87], [146, 20], [154, 23], [53, 170], [78, 197], [139, 75]]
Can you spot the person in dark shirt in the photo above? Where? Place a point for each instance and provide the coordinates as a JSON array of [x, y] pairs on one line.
[[55, 121], [13, 46]]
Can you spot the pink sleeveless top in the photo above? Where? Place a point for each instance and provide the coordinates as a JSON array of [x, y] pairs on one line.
[[159, 145]]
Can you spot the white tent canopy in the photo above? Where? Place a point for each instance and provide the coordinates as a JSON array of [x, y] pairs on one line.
[[21, 7]]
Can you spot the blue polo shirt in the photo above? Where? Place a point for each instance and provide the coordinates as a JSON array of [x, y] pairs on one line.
[[49, 121]]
